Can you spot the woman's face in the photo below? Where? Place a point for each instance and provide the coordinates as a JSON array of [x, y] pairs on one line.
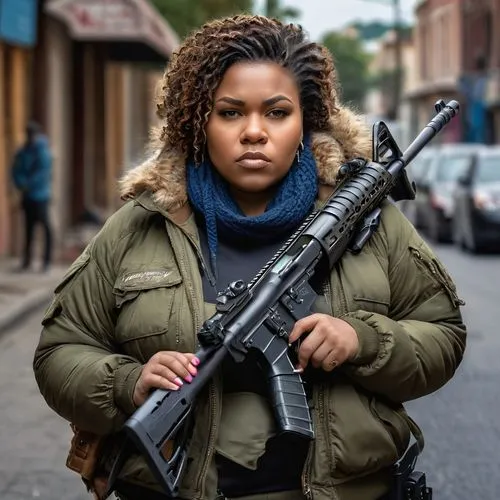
[[255, 127]]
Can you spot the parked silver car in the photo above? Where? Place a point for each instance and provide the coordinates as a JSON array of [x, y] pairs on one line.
[[417, 170], [435, 200], [476, 218]]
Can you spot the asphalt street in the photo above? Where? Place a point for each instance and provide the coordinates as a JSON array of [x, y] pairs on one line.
[[460, 421]]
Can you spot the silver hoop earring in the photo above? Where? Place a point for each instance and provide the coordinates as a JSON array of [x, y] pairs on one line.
[[299, 151]]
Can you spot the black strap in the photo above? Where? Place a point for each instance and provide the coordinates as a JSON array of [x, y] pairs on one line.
[[123, 454]]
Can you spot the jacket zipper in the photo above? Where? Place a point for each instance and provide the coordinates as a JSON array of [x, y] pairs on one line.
[[306, 473], [306, 488], [211, 439], [321, 396], [343, 300], [438, 275], [457, 301], [206, 268], [212, 399]]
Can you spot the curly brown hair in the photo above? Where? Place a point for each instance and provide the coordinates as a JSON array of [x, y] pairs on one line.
[[186, 91]]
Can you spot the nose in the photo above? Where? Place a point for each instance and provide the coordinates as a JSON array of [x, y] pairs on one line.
[[254, 131]]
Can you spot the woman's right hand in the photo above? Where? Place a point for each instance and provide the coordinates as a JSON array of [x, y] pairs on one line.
[[165, 370]]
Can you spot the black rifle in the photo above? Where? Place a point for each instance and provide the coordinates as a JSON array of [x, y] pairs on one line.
[[260, 315]]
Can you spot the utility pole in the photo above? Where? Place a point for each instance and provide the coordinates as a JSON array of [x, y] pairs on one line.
[[398, 58], [398, 55]]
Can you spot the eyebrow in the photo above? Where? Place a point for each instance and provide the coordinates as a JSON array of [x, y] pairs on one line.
[[267, 102]]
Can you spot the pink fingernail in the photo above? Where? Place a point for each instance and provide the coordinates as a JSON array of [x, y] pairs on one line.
[[178, 381], [188, 378], [195, 361]]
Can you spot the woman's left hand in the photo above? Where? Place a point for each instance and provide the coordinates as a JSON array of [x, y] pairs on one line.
[[329, 343]]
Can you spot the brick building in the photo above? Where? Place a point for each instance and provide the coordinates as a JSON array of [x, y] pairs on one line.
[[438, 56], [457, 50], [481, 57]]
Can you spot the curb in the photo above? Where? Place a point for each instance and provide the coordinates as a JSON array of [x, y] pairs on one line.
[[32, 301]]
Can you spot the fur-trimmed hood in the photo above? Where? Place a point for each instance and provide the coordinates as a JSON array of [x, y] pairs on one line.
[[164, 174]]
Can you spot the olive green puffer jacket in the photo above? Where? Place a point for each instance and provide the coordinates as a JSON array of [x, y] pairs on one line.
[[137, 289]]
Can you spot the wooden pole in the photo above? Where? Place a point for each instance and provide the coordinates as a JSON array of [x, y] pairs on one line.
[[17, 96], [114, 131], [4, 175], [17, 103]]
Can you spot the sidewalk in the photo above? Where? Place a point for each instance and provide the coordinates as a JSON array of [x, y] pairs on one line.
[[21, 293]]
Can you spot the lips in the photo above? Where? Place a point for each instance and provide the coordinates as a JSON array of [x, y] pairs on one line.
[[253, 160]]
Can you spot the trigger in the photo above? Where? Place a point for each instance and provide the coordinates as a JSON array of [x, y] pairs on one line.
[[293, 352]]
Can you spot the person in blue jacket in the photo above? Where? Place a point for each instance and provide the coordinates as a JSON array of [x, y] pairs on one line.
[[32, 175]]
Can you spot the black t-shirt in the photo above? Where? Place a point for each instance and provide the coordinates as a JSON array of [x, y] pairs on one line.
[[280, 468]]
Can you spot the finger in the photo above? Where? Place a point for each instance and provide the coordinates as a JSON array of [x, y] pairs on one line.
[[153, 381], [185, 358], [308, 347], [179, 364], [192, 358], [167, 373], [302, 326], [179, 368], [320, 354], [330, 362]]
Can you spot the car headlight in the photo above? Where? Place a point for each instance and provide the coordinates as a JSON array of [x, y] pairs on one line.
[[486, 201]]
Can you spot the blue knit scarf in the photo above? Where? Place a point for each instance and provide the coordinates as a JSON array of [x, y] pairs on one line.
[[209, 195]]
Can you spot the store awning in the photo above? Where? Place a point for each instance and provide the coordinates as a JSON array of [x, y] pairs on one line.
[[132, 29]]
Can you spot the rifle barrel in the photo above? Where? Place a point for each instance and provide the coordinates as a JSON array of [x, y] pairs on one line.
[[447, 112]]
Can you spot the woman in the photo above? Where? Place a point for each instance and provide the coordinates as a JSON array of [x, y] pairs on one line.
[[253, 136]]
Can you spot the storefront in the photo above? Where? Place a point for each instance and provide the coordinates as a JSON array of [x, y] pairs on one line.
[[94, 96], [18, 34]]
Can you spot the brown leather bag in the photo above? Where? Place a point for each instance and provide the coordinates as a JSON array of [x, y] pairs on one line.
[[84, 458]]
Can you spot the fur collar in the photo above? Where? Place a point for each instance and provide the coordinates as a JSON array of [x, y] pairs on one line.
[[164, 174]]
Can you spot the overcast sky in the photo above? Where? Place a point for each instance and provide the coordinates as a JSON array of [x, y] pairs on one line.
[[319, 16]]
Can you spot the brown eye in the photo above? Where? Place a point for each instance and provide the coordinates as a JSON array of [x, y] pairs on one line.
[[278, 113], [229, 113]]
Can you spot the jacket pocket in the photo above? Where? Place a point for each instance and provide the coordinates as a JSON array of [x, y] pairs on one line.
[[74, 269], [369, 304], [361, 440], [433, 268], [144, 303], [395, 422]]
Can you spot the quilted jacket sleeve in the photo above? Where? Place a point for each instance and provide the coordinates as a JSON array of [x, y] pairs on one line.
[[417, 347], [78, 370]]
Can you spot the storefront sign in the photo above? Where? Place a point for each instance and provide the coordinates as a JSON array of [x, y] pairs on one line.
[[115, 20], [18, 21]]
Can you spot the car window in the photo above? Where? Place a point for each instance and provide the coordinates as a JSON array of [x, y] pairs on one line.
[[430, 171], [488, 169], [451, 167]]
